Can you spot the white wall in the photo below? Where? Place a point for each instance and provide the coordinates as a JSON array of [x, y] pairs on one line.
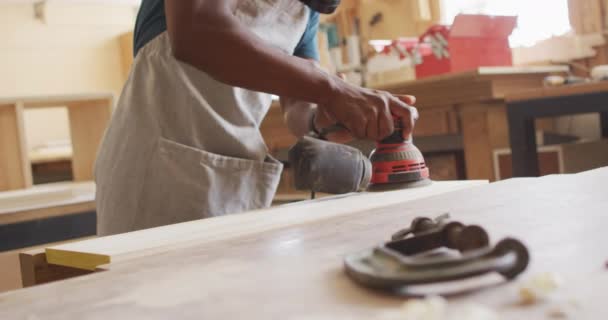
[[75, 50]]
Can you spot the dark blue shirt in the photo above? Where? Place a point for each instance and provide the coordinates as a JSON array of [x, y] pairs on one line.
[[151, 22]]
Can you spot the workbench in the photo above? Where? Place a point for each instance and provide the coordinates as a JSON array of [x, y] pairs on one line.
[[473, 104], [524, 107], [286, 262]]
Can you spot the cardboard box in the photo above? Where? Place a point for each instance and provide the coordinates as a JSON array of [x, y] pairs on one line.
[[555, 159], [472, 41]]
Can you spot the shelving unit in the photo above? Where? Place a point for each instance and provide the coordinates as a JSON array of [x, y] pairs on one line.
[[88, 114]]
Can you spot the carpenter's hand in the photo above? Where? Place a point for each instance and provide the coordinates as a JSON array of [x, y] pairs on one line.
[[366, 113]]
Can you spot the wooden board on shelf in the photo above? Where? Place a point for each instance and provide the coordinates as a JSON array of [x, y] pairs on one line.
[[296, 272], [46, 201], [554, 92]]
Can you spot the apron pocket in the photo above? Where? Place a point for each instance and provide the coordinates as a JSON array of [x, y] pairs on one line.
[[185, 183]]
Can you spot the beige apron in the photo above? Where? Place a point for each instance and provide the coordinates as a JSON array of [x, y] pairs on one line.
[[183, 146]]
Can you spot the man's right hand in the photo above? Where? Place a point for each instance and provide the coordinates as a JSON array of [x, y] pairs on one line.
[[367, 113]]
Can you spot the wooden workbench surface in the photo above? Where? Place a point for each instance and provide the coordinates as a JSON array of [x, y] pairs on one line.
[[560, 91], [481, 84], [296, 272]]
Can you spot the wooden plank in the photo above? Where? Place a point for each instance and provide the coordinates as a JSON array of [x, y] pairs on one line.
[[485, 128], [10, 278], [46, 201], [486, 72], [296, 272], [88, 122], [554, 92], [477, 151], [126, 52], [28, 267], [15, 170], [487, 83], [35, 270], [30, 102], [95, 252]]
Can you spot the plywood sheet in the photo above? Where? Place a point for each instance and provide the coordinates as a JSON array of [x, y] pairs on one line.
[[296, 272]]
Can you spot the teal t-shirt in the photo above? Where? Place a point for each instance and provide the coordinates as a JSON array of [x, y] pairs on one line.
[[151, 22]]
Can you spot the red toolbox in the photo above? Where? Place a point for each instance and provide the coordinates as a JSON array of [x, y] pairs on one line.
[[472, 41]]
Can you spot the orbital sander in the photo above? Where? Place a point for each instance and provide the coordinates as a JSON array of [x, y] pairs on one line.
[[322, 166], [397, 163]]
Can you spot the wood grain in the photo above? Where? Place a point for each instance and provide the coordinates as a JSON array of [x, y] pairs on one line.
[[32, 102], [92, 253], [35, 270], [296, 272]]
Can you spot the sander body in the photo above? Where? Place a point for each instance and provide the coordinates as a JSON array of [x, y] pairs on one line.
[[323, 166], [398, 163]]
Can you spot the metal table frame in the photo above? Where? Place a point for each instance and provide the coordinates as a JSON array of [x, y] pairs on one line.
[[521, 116]]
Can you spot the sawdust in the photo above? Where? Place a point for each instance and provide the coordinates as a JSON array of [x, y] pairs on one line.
[[539, 288], [438, 308]]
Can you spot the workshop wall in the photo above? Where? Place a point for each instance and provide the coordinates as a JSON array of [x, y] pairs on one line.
[[67, 49]]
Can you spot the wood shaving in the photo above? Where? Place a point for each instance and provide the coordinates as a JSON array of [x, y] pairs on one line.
[[437, 308], [539, 288], [430, 308], [557, 313], [475, 312]]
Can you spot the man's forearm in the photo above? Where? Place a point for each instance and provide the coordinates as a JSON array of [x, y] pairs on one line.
[[206, 34]]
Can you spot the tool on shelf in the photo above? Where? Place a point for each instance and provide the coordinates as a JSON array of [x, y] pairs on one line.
[[410, 258]]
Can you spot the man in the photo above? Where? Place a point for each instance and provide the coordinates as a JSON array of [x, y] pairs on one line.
[[184, 142]]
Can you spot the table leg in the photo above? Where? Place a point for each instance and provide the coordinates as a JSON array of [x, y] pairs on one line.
[[88, 121], [604, 124], [484, 129], [15, 169], [523, 143]]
